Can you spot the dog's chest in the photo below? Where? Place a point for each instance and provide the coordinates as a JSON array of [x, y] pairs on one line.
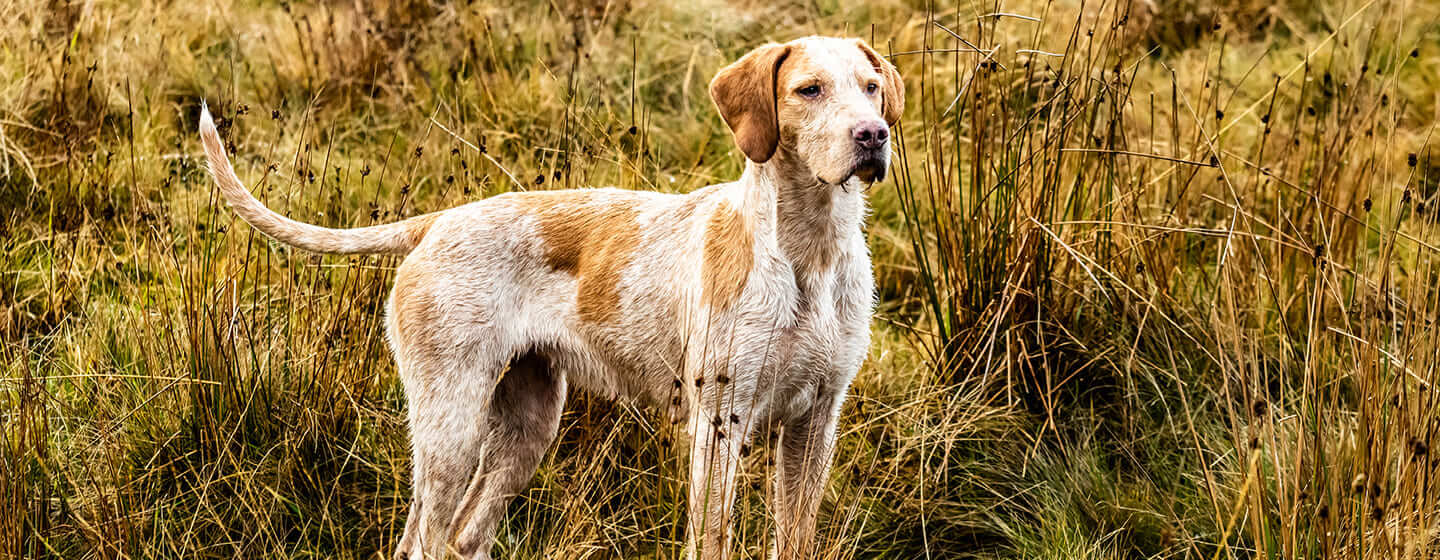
[[831, 324]]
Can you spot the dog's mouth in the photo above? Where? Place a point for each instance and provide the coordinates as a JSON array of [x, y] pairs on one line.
[[867, 167], [870, 170]]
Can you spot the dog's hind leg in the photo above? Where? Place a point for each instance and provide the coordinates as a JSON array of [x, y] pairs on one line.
[[449, 412], [524, 418], [409, 540]]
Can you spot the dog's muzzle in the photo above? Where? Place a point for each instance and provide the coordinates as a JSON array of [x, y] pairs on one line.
[[872, 139]]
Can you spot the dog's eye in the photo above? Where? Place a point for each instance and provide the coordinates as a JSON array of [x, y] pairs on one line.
[[809, 91], [871, 88]]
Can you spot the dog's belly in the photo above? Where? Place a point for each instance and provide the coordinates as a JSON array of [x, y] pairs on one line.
[[627, 367], [635, 356]]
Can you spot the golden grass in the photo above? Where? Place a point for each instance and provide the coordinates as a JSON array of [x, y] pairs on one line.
[[1156, 279]]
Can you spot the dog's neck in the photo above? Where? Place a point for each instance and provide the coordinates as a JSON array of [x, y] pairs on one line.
[[813, 222]]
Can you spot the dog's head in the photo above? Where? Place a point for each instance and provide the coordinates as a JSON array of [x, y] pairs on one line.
[[828, 101]]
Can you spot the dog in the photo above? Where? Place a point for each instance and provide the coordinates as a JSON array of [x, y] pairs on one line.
[[743, 308]]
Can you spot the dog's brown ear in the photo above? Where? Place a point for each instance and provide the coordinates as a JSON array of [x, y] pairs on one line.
[[745, 94], [892, 89]]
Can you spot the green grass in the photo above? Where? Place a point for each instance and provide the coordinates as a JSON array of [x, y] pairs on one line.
[[1158, 281]]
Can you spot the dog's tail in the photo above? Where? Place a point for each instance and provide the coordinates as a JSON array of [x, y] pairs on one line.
[[397, 238]]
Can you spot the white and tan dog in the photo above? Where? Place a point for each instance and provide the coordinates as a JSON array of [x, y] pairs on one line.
[[744, 307]]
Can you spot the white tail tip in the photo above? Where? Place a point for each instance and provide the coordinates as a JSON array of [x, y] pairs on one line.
[[206, 121]]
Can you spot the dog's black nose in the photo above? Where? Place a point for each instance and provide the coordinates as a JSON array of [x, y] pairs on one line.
[[871, 135]]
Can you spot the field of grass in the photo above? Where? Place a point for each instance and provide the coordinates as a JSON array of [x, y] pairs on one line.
[[1156, 279]]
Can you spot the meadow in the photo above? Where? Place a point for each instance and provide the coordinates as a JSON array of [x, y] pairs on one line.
[[1155, 278]]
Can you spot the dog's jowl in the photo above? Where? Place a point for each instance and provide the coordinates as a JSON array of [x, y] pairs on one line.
[[750, 300]]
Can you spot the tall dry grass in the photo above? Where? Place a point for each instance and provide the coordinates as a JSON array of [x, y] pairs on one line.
[[1155, 278], [1231, 269]]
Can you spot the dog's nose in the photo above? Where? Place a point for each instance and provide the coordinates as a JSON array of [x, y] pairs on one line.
[[871, 135]]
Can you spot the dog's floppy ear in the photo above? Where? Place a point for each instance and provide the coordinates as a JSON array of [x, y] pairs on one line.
[[745, 94], [892, 91]]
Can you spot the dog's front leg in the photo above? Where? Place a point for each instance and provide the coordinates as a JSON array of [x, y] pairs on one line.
[[806, 447], [714, 460]]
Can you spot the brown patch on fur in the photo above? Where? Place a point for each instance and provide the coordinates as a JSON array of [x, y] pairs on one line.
[[745, 94], [592, 241], [417, 227], [892, 87], [415, 311], [729, 256]]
